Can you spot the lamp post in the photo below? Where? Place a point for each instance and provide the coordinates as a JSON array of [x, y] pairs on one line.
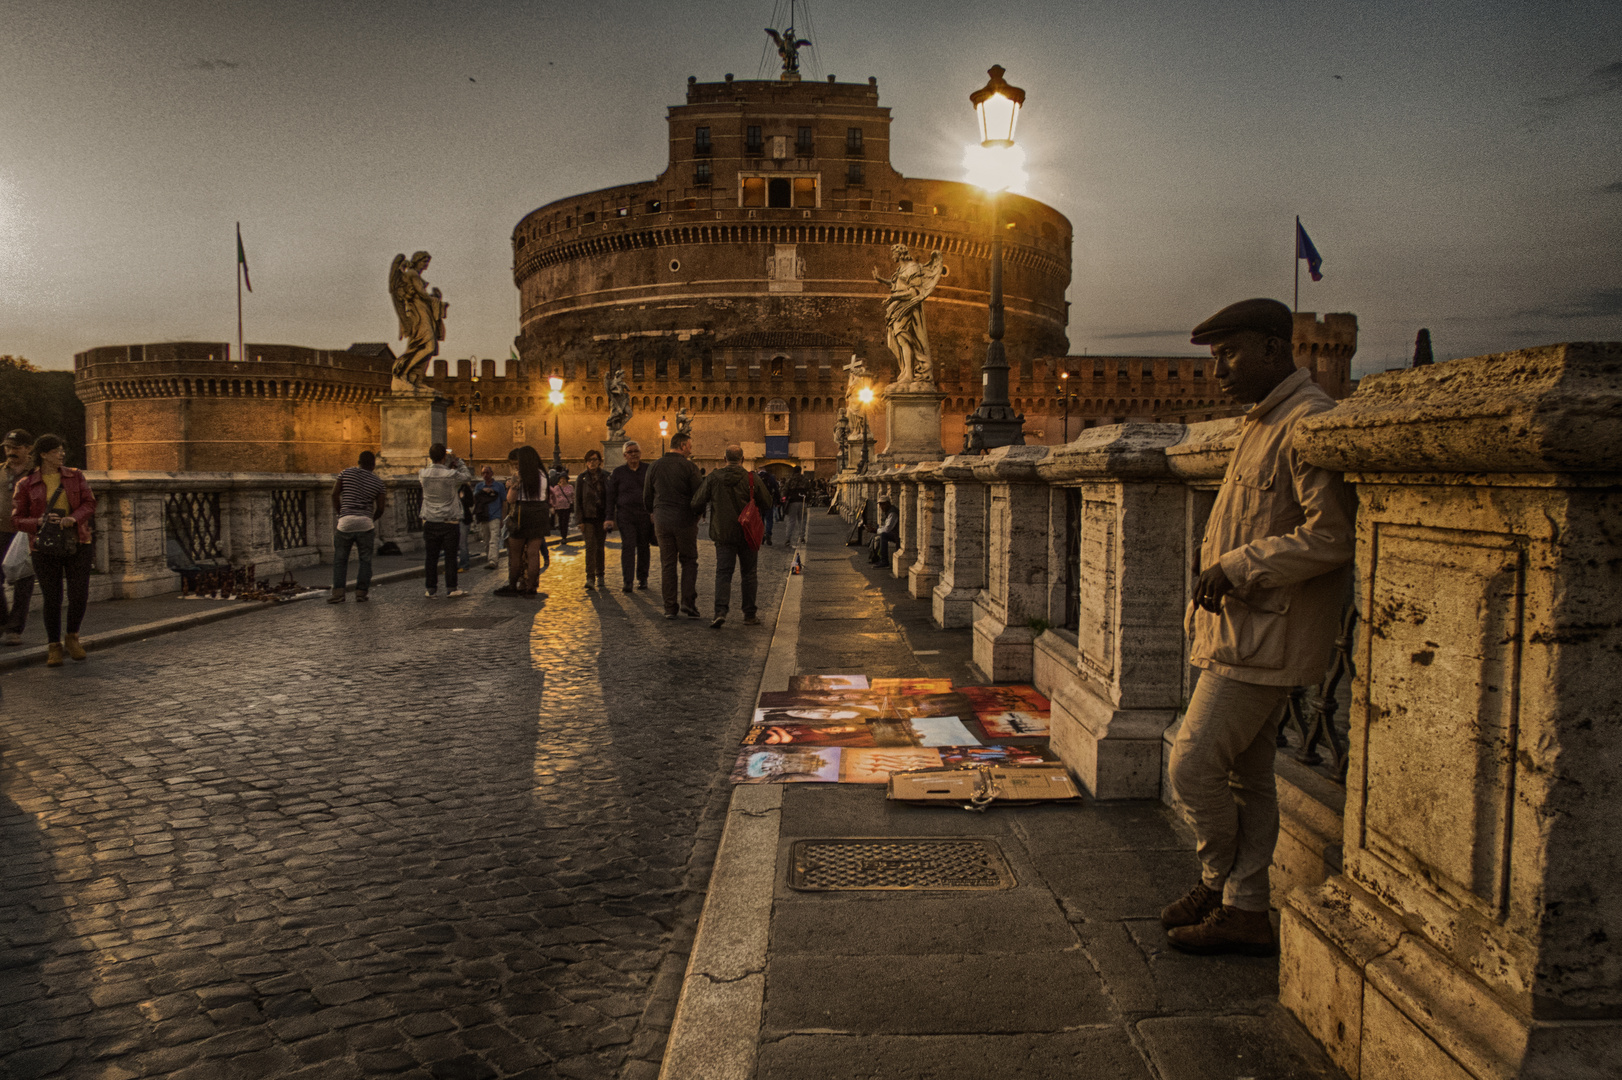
[[995, 423], [471, 407], [556, 398], [865, 396], [1064, 394], [664, 429]]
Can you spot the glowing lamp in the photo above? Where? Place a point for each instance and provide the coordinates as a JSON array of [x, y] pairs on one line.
[[865, 395], [556, 396], [664, 428], [996, 106]]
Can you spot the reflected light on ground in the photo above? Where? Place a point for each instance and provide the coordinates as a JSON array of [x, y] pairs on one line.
[[996, 168]]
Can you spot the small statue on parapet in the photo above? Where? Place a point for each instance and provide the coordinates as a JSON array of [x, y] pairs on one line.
[[619, 403], [842, 437], [421, 312], [684, 422]]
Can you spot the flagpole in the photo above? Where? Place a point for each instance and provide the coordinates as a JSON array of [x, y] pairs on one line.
[[1296, 239], [238, 262]]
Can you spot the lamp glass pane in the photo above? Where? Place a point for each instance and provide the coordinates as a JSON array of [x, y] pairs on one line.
[[998, 114]]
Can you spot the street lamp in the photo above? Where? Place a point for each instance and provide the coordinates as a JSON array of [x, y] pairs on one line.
[[471, 407], [664, 429], [865, 396], [996, 106], [556, 398], [1064, 395]]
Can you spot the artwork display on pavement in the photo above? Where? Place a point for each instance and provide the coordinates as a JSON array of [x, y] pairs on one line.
[[851, 730]]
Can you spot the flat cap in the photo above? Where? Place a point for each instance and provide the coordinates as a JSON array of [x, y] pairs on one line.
[[1268, 316]]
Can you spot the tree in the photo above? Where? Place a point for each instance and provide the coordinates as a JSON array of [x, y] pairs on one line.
[[41, 401], [16, 363], [1422, 349]]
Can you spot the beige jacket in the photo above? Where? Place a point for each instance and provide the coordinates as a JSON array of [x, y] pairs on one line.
[[1282, 530]]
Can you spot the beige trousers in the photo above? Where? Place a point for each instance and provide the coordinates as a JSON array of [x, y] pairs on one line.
[[1222, 777]]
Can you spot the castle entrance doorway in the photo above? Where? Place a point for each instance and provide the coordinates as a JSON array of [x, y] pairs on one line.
[[779, 192]]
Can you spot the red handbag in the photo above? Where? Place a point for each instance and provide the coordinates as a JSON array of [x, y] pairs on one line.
[[754, 529]]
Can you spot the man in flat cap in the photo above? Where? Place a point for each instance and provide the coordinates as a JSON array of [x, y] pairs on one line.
[[1266, 611]]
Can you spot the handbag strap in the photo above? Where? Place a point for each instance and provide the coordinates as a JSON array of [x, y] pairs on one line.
[[61, 491]]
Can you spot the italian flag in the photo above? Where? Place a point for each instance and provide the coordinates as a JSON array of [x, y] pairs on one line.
[[242, 259]]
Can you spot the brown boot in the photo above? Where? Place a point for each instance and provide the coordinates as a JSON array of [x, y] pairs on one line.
[[53, 654], [74, 649], [1227, 930], [1192, 909], [337, 597]]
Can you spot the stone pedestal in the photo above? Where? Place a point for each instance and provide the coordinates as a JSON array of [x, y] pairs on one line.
[[409, 423], [906, 506], [963, 545], [912, 424], [613, 453], [1476, 931], [1015, 589], [925, 572]]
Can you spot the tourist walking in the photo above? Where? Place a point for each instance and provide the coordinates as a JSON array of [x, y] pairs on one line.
[[730, 489], [1266, 612], [464, 560], [628, 511], [529, 519], [489, 502], [19, 451], [672, 482], [442, 516], [591, 503], [53, 504], [774, 493], [795, 493], [562, 498], [358, 498]]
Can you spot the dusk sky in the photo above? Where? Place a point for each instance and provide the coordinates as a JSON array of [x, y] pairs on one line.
[[1459, 165]]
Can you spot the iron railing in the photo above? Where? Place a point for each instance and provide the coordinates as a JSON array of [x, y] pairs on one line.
[[289, 519], [193, 520], [1310, 722], [413, 497]]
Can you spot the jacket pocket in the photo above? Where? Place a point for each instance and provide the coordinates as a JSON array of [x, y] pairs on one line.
[[1252, 635]]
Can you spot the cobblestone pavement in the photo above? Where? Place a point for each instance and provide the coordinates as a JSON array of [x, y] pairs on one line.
[[329, 841]]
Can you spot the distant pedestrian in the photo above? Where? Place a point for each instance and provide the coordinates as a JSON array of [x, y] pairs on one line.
[[53, 504], [529, 519], [442, 516], [562, 499], [730, 489], [489, 500], [358, 499], [672, 482], [774, 493], [464, 495], [889, 533], [628, 511], [591, 503], [19, 450], [795, 494]]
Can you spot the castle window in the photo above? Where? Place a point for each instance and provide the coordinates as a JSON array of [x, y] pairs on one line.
[[684, 367], [905, 206], [855, 174], [590, 217], [752, 142], [803, 145], [805, 191], [778, 192], [707, 369], [637, 368], [701, 142], [754, 190], [777, 366], [853, 142], [654, 206], [661, 368], [702, 174], [624, 211], [941, 211]]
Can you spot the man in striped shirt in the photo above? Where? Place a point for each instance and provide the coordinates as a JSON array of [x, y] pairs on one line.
[[358, 499]]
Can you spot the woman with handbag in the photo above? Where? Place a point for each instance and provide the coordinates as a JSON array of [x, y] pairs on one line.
[[529, 519], [54, 506]]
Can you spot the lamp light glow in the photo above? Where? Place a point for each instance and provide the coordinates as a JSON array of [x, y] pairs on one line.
[[996, 168], [996, 106], [865, 395]]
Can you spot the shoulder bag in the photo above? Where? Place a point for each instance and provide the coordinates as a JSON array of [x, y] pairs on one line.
[[54, 538], [749, 519]]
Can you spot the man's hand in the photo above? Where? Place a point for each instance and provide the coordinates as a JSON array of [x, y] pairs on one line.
[[1212, 587], [608, 526]]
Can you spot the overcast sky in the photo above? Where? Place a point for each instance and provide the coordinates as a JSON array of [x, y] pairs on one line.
[[1459, 165]]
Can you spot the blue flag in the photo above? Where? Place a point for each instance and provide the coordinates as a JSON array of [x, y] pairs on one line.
[[1305, 250]]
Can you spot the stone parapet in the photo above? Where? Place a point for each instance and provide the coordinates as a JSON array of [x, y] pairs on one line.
[[963, 543], [1014, 591]]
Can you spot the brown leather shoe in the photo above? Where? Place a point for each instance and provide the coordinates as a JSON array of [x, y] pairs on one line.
[[74, 649], [1192, 909], [1227, 930], [53, 654]]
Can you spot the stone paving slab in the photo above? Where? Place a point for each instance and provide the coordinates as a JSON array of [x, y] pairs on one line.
[[1093, 1052]]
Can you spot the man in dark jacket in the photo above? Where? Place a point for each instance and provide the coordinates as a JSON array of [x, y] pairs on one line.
[[672, 482], [731, 488], [627, 510]]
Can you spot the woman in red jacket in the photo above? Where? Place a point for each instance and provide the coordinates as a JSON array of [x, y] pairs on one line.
[[56, 494]]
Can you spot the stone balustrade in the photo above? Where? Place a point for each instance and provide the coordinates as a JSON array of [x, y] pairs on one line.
[[1474, 928], [276, 521]]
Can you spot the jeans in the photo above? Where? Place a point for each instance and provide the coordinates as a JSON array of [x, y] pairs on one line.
[[51, 572], [678, 548], [1222, 776], [489, 534], [795, 516], [14, 617], [562, 517], [442, 539], [884, 542], [591, 534], [362, 542], [747, 560], [636, 533]]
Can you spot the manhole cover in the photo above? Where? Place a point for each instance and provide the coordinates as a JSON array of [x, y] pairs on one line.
[[466, 622], [844, 864]]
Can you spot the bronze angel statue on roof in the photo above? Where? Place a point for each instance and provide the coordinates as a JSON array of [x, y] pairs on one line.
[[788, 47], [421, 312]]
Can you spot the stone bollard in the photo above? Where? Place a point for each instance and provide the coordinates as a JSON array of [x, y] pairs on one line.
[[963, 544], [1477, 929], [1015, 589], [1116, 688], [925, 571]]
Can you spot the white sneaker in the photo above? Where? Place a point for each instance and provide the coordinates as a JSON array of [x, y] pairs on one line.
[[457, 592], [431, 593]]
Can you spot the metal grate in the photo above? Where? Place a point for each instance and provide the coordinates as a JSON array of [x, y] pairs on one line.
[[836, 865], [193, 520], [466, 622], [413, 509], [289, 522]]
